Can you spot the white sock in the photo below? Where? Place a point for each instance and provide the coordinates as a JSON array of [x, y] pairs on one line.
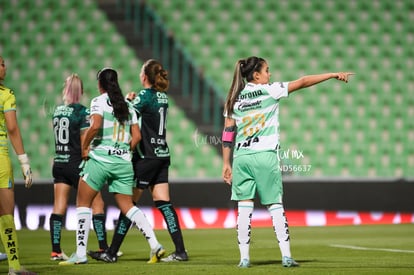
[[136, 215], [281, 228], [244, 218], [84, 215]]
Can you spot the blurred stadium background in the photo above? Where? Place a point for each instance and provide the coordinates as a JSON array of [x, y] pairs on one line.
[[363, 129]]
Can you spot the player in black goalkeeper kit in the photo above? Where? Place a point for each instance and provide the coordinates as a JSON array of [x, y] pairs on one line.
[[152, 159]]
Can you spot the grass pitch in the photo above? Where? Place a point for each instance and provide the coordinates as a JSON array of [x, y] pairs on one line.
[[374, 249]]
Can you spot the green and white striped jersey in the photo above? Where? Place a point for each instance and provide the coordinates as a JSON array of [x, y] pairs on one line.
[[111, 144], [256, 113]]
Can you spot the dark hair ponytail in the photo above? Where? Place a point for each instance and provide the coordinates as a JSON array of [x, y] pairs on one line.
[[108, 79], [244, 69], [250, 65]]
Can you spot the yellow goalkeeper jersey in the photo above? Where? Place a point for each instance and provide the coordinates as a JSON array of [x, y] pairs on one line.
[[7, 104]]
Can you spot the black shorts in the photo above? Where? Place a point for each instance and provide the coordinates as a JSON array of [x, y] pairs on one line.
[[68, 174], [149, 172]]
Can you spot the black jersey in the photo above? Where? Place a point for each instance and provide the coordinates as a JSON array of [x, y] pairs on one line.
[[152, 107], [68, 122]]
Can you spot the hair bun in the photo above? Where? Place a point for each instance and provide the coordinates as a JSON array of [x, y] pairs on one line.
[[164, 73]]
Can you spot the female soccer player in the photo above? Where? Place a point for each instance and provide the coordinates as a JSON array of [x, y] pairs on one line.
[[251, 123], [10, 128], [152, 160], [70, 121], [106, 147]]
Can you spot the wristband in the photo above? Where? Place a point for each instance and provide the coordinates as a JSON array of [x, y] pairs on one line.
[[227, 136], [23, 159]]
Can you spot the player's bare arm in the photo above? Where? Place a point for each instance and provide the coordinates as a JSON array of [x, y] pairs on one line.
[[310, 80], [228, 137], [14, 132], [136, 136]]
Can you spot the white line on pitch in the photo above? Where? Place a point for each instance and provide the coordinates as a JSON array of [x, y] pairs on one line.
[[372, 249]]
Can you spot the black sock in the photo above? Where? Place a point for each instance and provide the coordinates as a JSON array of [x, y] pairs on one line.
[[121, 230], [173, 224], [55, 223], [100, 230]]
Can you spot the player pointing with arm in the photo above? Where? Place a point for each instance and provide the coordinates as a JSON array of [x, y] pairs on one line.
[[252, 126]]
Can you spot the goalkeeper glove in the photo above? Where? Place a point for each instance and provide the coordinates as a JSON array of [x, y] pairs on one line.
[[27, 172]]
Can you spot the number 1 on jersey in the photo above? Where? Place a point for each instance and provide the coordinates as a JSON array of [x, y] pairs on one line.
[[162, 121]]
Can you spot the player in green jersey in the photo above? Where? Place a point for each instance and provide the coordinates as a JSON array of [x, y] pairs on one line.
[[152, 161], [70, 122], [252, 126], [106, 148]]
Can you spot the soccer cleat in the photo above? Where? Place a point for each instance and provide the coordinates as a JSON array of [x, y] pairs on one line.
[[156, 254], [289, 262], [245, 263], [118, 254], [22, 271], [104, 256], [3, 256], [175, 257], [54, 256], [74, 259]]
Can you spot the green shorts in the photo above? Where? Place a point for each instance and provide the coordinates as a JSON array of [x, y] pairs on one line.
[[6, 172], [119, 176], [258, 172]]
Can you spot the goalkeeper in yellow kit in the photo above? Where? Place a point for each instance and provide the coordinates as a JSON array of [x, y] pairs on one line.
[[10, 129]]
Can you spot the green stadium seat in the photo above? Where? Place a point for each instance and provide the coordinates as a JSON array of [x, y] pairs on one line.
[[296, 37]]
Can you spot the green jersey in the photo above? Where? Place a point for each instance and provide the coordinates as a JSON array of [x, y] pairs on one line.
[[111, 144], [68, 122], [152, 107], [256, 113]]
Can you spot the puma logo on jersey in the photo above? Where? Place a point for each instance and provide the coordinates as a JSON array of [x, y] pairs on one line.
[[247, 142], [118, 152]]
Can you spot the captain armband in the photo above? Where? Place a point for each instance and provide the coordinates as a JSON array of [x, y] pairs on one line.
[[228, 136]]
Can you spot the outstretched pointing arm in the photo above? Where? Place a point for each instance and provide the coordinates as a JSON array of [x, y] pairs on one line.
[[310, 80]]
